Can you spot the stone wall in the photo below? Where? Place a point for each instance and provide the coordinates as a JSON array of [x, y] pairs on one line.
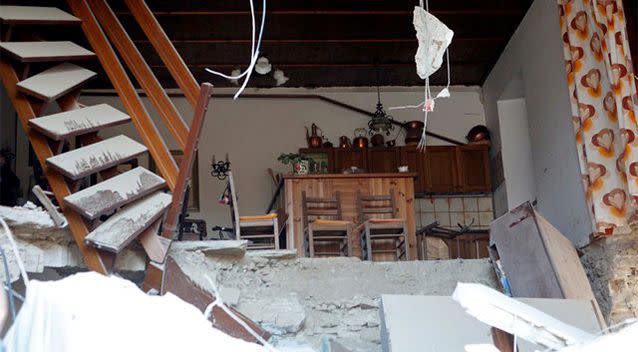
[[612, 268]]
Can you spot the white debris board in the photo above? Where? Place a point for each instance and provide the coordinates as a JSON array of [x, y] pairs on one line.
[[45, 51], [120, 229], [95, 157], [439, 324], [115, 192], [56, 81], [80, 121]]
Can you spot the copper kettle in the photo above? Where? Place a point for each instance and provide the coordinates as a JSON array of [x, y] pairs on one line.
[[314, 140], [360, 141], [344, 142]]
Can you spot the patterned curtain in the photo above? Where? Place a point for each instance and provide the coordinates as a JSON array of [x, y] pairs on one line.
[[602, 88]]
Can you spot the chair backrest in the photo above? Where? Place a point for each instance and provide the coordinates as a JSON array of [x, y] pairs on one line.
[[320, 208], [234, 206], [376, 206]]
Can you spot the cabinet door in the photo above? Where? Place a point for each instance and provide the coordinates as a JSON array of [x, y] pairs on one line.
[[347, 157], [441, 172], [383, 160], [474, 164], [413, 159], [323, 159]]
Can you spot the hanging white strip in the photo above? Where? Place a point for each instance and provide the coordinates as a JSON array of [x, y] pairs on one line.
[[254, 50]]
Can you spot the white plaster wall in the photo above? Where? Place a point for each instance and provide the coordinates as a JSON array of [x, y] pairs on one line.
[[518, 165], [535, 53], [255, 131]]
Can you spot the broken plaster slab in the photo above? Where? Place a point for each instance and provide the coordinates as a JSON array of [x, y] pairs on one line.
[[339, 296], [43, 245], [223, 248], [274, 254]]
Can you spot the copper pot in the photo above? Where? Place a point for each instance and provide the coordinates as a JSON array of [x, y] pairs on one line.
[[377, 140], [344, 142], [413, 132], [360, 141]]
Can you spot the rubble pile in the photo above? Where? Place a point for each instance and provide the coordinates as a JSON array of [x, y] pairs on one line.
[[303, 299]]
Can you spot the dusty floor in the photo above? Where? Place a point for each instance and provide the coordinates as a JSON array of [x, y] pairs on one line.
[[305, 299]]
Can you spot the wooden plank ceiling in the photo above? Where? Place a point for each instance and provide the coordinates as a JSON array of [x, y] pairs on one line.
[[324, 42]]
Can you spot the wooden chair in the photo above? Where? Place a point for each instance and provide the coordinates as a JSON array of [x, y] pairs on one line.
[[379, 223], [324, 226], [261, 231]]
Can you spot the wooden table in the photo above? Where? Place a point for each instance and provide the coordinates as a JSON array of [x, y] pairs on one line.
[[324, 186]]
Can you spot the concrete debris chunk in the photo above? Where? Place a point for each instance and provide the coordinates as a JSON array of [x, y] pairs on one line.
[[213, 248], [275, 254], [281, 316]]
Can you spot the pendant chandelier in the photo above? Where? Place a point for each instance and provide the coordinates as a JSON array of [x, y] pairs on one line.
[[380, 122]]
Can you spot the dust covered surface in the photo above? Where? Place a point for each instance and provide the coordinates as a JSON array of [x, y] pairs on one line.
[[612, 269], [303, 299]]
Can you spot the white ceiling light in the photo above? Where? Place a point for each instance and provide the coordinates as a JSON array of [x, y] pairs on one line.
[[263, 66], [279, 76], [236, 72]]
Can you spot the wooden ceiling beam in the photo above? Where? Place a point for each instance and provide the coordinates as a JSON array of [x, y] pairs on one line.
[[327, 12], [336, 40]]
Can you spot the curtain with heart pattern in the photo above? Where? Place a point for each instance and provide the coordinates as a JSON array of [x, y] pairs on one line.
[[602, 90]]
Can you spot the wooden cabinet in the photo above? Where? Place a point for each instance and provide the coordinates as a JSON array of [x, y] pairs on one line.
[[441, 169], [413, 159], [383, 160], [473, 168], [345, 158]]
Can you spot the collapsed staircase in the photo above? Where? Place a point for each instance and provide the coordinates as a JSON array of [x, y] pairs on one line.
[[104, 217]]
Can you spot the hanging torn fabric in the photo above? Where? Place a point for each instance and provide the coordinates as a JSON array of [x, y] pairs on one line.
[[434, 37]]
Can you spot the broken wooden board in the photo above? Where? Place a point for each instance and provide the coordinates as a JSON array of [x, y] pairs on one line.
[[45, 51], [78, 122], [155, 246], [120, 229], [58, 219], [177, 283], [537, 259], [96, 157], [35, 15], [55, 82], [115, 192]]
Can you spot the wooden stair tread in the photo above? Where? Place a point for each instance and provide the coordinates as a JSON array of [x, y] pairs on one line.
[[115, 192], [45, 51], [122, 228], [77, 122], [56, 81], [35, 15], [96, 157]]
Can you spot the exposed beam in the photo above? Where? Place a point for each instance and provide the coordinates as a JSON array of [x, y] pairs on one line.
[[327, 12], [334, 41]]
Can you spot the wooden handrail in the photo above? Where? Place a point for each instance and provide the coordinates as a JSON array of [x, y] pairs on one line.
[[140, 69], [27, 110], [167, 52], [131, 100], [186, 164]]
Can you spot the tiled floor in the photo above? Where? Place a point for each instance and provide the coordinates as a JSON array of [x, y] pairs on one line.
[[476, 211]]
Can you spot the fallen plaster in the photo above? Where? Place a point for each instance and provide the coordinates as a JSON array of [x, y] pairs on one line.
[[302, 300], [43, 245]]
